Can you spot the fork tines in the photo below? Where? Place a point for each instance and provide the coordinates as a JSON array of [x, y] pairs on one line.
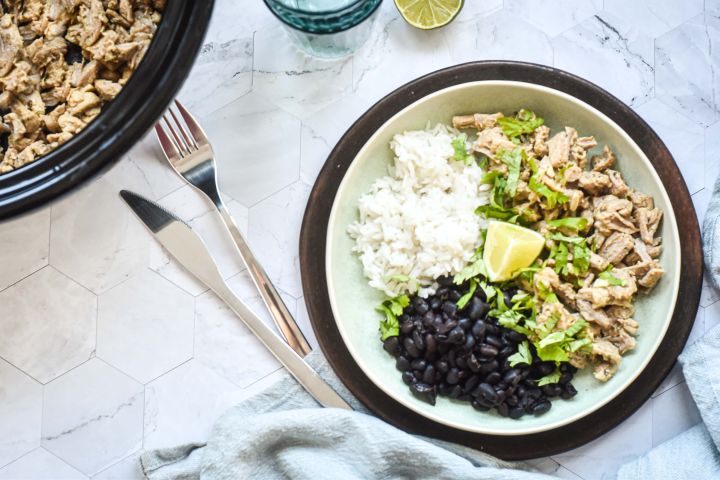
[[186, 136]]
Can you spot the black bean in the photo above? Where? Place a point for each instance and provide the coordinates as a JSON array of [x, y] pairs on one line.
[[424, 391], [545, 368], [552, 390], [516, 337], [505, 365], [507, 296], [488, 367], [568, 392], [479, 406], [417, 374], [503, 409], [494, 341], [444, 389], [453, 376], [454, 296], [408, 377], [418, 364], [406, 327], [445, 280], [461, 362], [541, 407], [491, 328], [566, 367], [451, 357], [479, 329], [507, 351], [456, 336], [428, 319], [464, 397], [443, 347], [566, 378], [488, 393], [477, 309], [512, 377], [520, 391], [465, 323], [469, 342], [392, 345], [402, 363], [442, 291], [435, 304], [442, 366], [430, 343], [493, 378], [423, 308], [418, 340], [448, 326], [511, 400], [471, 383], [488, 350], [410, 347], [516, 412], [533, 393], [456, 391], [449, 307], [429, 375]]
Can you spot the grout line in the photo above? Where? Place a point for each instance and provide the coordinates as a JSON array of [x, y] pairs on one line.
[[65, 462]]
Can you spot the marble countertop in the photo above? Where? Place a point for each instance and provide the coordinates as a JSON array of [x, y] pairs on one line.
[[107, 347]]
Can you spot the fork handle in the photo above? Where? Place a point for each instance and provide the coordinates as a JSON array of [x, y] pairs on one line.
[[270, 296]]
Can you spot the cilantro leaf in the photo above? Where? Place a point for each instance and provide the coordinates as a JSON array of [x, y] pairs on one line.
[[611, 279], [564, 238], [523, 355], [459, 145], [473, 270], [392, 307], [513, 160], [524, 122], [466, 298], [491, 211], [551, 378], [552, 353], [575, 328], [576, 345], [552, 338], [561, 255], [551, 197], [581, 257], [573, 223]]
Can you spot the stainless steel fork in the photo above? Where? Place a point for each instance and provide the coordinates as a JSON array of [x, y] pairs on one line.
[[190, 154]]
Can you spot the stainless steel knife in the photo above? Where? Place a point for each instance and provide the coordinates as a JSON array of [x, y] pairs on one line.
[[187, 247]]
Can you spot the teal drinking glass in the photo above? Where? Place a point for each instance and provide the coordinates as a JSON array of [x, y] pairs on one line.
[[326, 28]]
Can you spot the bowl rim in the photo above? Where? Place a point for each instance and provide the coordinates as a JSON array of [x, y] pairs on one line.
[[669, 215]]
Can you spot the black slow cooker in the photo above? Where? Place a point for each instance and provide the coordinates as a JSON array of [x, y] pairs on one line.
[[123, 121]]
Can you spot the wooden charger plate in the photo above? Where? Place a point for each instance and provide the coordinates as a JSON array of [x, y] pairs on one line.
[[312, 262]]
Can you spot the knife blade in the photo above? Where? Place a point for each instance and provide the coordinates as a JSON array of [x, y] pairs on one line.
[[187, 247]]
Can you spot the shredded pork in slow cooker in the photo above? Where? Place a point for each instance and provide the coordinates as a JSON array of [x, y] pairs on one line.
[[60, 62]]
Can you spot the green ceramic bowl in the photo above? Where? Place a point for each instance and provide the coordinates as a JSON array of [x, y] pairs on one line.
[[353, 301]]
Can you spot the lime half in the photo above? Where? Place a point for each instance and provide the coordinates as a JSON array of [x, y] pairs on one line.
[[429, 14], [508, 248]]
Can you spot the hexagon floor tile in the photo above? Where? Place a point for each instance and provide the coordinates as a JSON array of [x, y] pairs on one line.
[[687, 61], [47, 324], [712, 154], [93, 416], [257, 148], [602, 44], [145, 326], [658, 16], [24, 245], [223, 343], [563, 15], [274, 233], [683, 137], [95, 238], [182, 406], [40, 465], [20, 413], [126, 469], [499, 35]]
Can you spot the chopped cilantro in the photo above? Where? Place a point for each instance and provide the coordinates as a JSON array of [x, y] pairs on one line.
[[551, 198], [572, 223], [524, 122], [552, 353], [564, 238], [477, 267], [611, 279], [392, 308], [466, 298], [523, 355], [581, 257], [513, 160], [561, 255], [551, 378], [459, 144]]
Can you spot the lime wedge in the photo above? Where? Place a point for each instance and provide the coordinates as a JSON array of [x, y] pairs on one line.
[[429, 14], [508, 248]]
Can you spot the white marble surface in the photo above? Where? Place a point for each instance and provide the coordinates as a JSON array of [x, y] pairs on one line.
[[107, 347]]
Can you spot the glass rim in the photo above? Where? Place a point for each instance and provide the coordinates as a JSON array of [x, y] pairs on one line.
[[318, 12]]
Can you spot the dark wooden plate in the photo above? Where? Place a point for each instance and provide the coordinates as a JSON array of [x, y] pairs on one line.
[[312, 261]]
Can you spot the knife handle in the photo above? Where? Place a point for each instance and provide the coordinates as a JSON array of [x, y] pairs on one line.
[[270, 296], [294, 363]]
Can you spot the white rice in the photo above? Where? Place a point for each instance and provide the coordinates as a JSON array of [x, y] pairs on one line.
[[419, 221]]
